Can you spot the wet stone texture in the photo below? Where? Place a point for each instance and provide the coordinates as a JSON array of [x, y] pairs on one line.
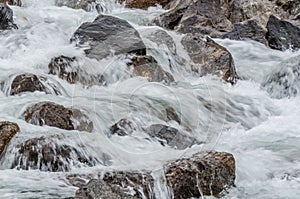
[[7, 132], [51, 114]]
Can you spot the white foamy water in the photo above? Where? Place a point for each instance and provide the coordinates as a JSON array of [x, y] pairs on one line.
[[261, 131]]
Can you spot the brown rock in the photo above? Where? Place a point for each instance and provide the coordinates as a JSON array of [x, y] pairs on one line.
[[7, 132], [46, 154], [147, 66], [26, 83], [51, 114], [211, 172], [208, 57]]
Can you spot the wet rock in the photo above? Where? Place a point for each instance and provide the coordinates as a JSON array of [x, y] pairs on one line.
[[206, 17], [207, 173], [208, 57], [26, 83], [7, 132], [108, 35], [130, 185], [169, 136], [211, 172], [292, 7], [15, 2], [123, 127], [282, 35], [76, 4], [147, 66], [6, 18], [46, 154], [144, 4], [284, 82], [51, 114], [249, 29], [69, 69]]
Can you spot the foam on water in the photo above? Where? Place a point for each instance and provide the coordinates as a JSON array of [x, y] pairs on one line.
[[260, 131]]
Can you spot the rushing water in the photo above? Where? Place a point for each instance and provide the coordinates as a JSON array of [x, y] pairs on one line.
[[256, 121]]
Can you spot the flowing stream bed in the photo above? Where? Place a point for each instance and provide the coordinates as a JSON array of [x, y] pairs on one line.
[[255, 120]]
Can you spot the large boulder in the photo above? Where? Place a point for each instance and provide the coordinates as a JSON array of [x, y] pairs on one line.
[[206, 17], [144, 4], [206, 173], [208, 57], [203, 174], [69, 69], [51, 114], [108, 35], [147, 66], [6, 18], [282, 35], [46, 154], [7, 132]]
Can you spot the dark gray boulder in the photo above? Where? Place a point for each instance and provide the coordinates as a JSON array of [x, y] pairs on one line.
[[6, 18], [282, 35], [249, 29], [169, 136], [108, 35]]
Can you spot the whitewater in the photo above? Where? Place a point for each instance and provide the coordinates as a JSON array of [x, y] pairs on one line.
[[258, 124]]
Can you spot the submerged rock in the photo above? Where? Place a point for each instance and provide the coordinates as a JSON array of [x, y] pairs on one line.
[[108, 35], [122, 127], [46, 154], [144, 4], [147, 66], [76, 4], [208, 57], [51, 114], [169, 136], [284, 82], [6, 18], [207, 173], [7, 132], [119, 185], [282, 35], [69, 69]]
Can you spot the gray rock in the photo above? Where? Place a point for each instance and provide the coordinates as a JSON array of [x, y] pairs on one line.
[[282, 35], [108, 35], [51, 114], [144, 4], [169, 136], [249, 29], [6, 18]]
